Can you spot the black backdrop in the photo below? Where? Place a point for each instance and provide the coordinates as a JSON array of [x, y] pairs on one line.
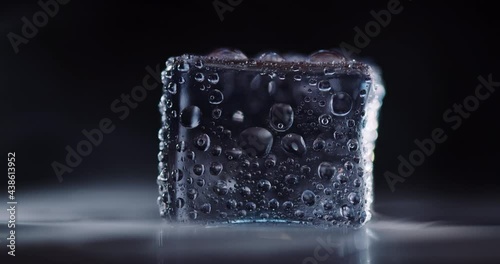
[[65, 78]]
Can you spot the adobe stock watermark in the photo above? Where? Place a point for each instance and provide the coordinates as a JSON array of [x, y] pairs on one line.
[[93, 138], [341, 247], [323, 251], [31, 27], [372, 28], [454, 117], [223, 6]]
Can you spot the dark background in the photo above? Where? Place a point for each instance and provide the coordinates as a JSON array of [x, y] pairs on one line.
[[91, 52]]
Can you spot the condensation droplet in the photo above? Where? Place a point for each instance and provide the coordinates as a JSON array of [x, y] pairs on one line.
[[352, 145], [281, 117], [308, 197], [238, 116], [216, 150], [177, 175], [318, 144], [270, 161], [215, 97], [202, 142], [338, 135], [199, 77], [264, 185], [342, 178], [326, 170], [291, 179], [350, 123], [198, 64], [348, 165], [190, 117], [325, 120], [213, 78], [216, 113], [225, 53], [172, 87], [233, 154], [206, 208], [216, 168], [294, 144], [270, 56], [326, 56], [274, 204], [180, 203], [324, 85], [198, 169], [255, 141], [347, 212], [221, 188], [192, 193], [328, 205], [341, 104], [353, 198]]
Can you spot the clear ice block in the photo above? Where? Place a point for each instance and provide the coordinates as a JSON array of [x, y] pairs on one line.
[[272, 139]]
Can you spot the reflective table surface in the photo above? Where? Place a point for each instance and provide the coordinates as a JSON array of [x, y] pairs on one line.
[[101, 225]]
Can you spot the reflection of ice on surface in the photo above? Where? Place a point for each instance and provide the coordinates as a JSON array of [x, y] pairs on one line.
[[121, 225]]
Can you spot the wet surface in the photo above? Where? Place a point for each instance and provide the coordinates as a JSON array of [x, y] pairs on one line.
[[104, 226]]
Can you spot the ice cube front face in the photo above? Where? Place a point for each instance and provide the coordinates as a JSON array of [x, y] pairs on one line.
[[267, 140]]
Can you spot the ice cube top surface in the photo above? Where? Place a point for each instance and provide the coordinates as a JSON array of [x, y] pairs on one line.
[[325, 61]]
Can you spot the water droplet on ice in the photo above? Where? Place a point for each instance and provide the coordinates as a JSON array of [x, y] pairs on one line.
[[294, 144], [352, 145], [270, 56], [216, 168], [213, 78], [353, 198], [324, 85], [216, 113], [202, 142], [264, 185], [281, 117], [325, 56], [341, 104], [215, 97], [326, 170], [190, 117], [198, 169], [206, 208], [255, 141], [238, 116], [325, 120], [308, 197], [199, 77], [221, 188], [225, 53]]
